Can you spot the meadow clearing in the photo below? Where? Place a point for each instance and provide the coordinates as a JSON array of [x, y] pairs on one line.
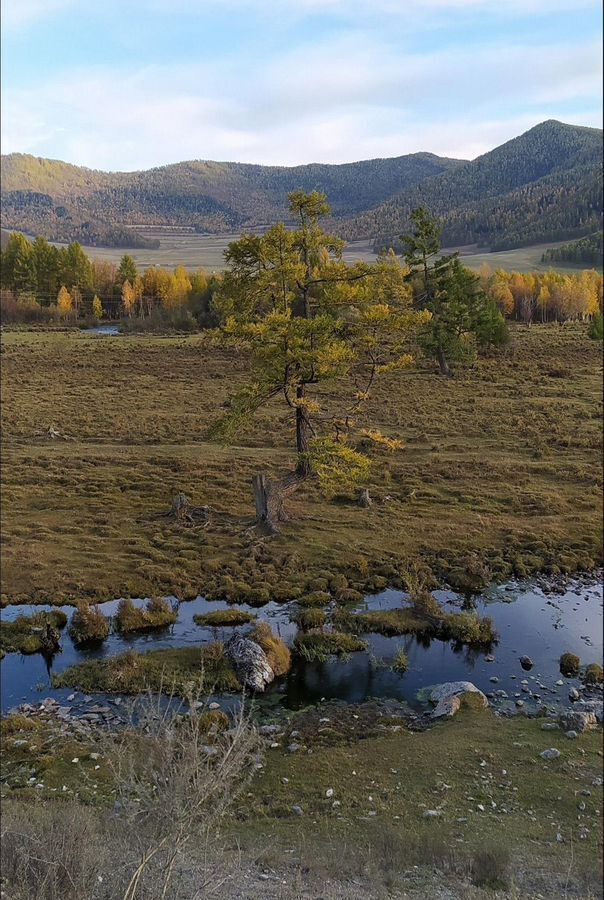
[[194, 251], [500, 470]]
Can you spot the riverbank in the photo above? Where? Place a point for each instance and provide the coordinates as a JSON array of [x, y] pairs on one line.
[[351, 802], [500, 474]]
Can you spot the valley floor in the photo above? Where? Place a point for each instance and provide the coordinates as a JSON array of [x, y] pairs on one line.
[[501, 463]]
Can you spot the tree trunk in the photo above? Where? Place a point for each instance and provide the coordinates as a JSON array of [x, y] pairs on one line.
[[443, 364], [270, 497], [303, 468]]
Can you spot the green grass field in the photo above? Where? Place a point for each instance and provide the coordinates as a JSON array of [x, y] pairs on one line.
[[503, 461]]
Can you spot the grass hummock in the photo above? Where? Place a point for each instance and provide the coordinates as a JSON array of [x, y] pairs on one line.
[[424, 616], [156, 614], [169, 671], [310, 618], [224, 618], [24, 635], [277, 653], [594, 674], [570, 664], [88, 625], [318, 646]]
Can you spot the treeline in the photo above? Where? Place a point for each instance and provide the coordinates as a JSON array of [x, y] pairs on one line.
[[41, 282], [586, 250], [544, 296]]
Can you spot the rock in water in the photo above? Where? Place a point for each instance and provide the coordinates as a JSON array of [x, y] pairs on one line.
[[526, 662], [449, 696], [250, 663]]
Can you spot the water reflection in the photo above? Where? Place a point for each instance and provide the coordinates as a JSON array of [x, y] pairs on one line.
[[528, 623]]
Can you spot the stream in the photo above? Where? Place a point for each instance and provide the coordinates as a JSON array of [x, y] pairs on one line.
[[529, 622]]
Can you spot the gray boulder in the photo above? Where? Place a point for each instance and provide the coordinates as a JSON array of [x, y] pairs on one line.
[[250, 663], [449, 696], [576, 720]]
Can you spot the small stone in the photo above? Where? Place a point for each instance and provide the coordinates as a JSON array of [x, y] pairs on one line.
[[293, 748], [268, 729], [297, 810], [526, 662], [574, 694], [76, 759], [571, 734], [489, 658], [519, 702], [329, 792], [549, 726], [432, 813], [214, 705], [481, 807], [560, 683], [71, 698], [552, 753], [494, 679]]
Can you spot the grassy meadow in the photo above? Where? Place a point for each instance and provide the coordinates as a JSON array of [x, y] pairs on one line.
[[194, 251], [501, 468]]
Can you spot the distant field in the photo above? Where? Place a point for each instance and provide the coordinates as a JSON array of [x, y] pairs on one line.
[[194, 251]]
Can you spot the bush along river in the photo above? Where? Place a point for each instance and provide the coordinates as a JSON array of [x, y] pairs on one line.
[[521, 671]]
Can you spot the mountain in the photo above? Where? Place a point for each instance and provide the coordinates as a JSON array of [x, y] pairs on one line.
[[544, 185], [61, 201]]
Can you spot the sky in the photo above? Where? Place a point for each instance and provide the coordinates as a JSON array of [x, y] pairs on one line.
[[130, 84]]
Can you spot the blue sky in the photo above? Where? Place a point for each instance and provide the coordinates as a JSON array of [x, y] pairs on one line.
[[138, 83]]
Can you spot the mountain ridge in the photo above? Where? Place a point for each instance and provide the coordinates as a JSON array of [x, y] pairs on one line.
[[502, 198]]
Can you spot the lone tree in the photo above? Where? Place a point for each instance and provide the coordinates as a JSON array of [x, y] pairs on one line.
[[310, 320], [462, 316]]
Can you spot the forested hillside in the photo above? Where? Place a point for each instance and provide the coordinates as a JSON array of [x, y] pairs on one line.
[[64, 202], [544, 185], [587, 250]]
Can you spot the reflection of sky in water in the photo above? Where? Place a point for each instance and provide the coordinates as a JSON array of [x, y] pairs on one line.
[[527, 621]]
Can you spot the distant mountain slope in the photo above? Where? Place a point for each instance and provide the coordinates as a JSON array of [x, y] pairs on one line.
[[544, 185], [64, 201]]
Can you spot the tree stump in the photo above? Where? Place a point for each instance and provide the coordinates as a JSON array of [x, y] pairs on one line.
[[365, 500], [270, 497]]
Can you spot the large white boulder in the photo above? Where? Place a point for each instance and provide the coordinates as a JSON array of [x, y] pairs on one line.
[[449, 696]]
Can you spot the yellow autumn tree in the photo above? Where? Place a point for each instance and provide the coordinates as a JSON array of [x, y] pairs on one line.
[[128, 298], [64, 303], [97, 307]]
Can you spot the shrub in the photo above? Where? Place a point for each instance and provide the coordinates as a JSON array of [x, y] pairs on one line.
[[401, 661], [490, 866], [318, 646], [88, 624], [596, 327], [569, 664], [224, 617], [277, 653]]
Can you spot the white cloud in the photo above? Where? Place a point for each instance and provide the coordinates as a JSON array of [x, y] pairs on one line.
[[18, 14], [340, 99]]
